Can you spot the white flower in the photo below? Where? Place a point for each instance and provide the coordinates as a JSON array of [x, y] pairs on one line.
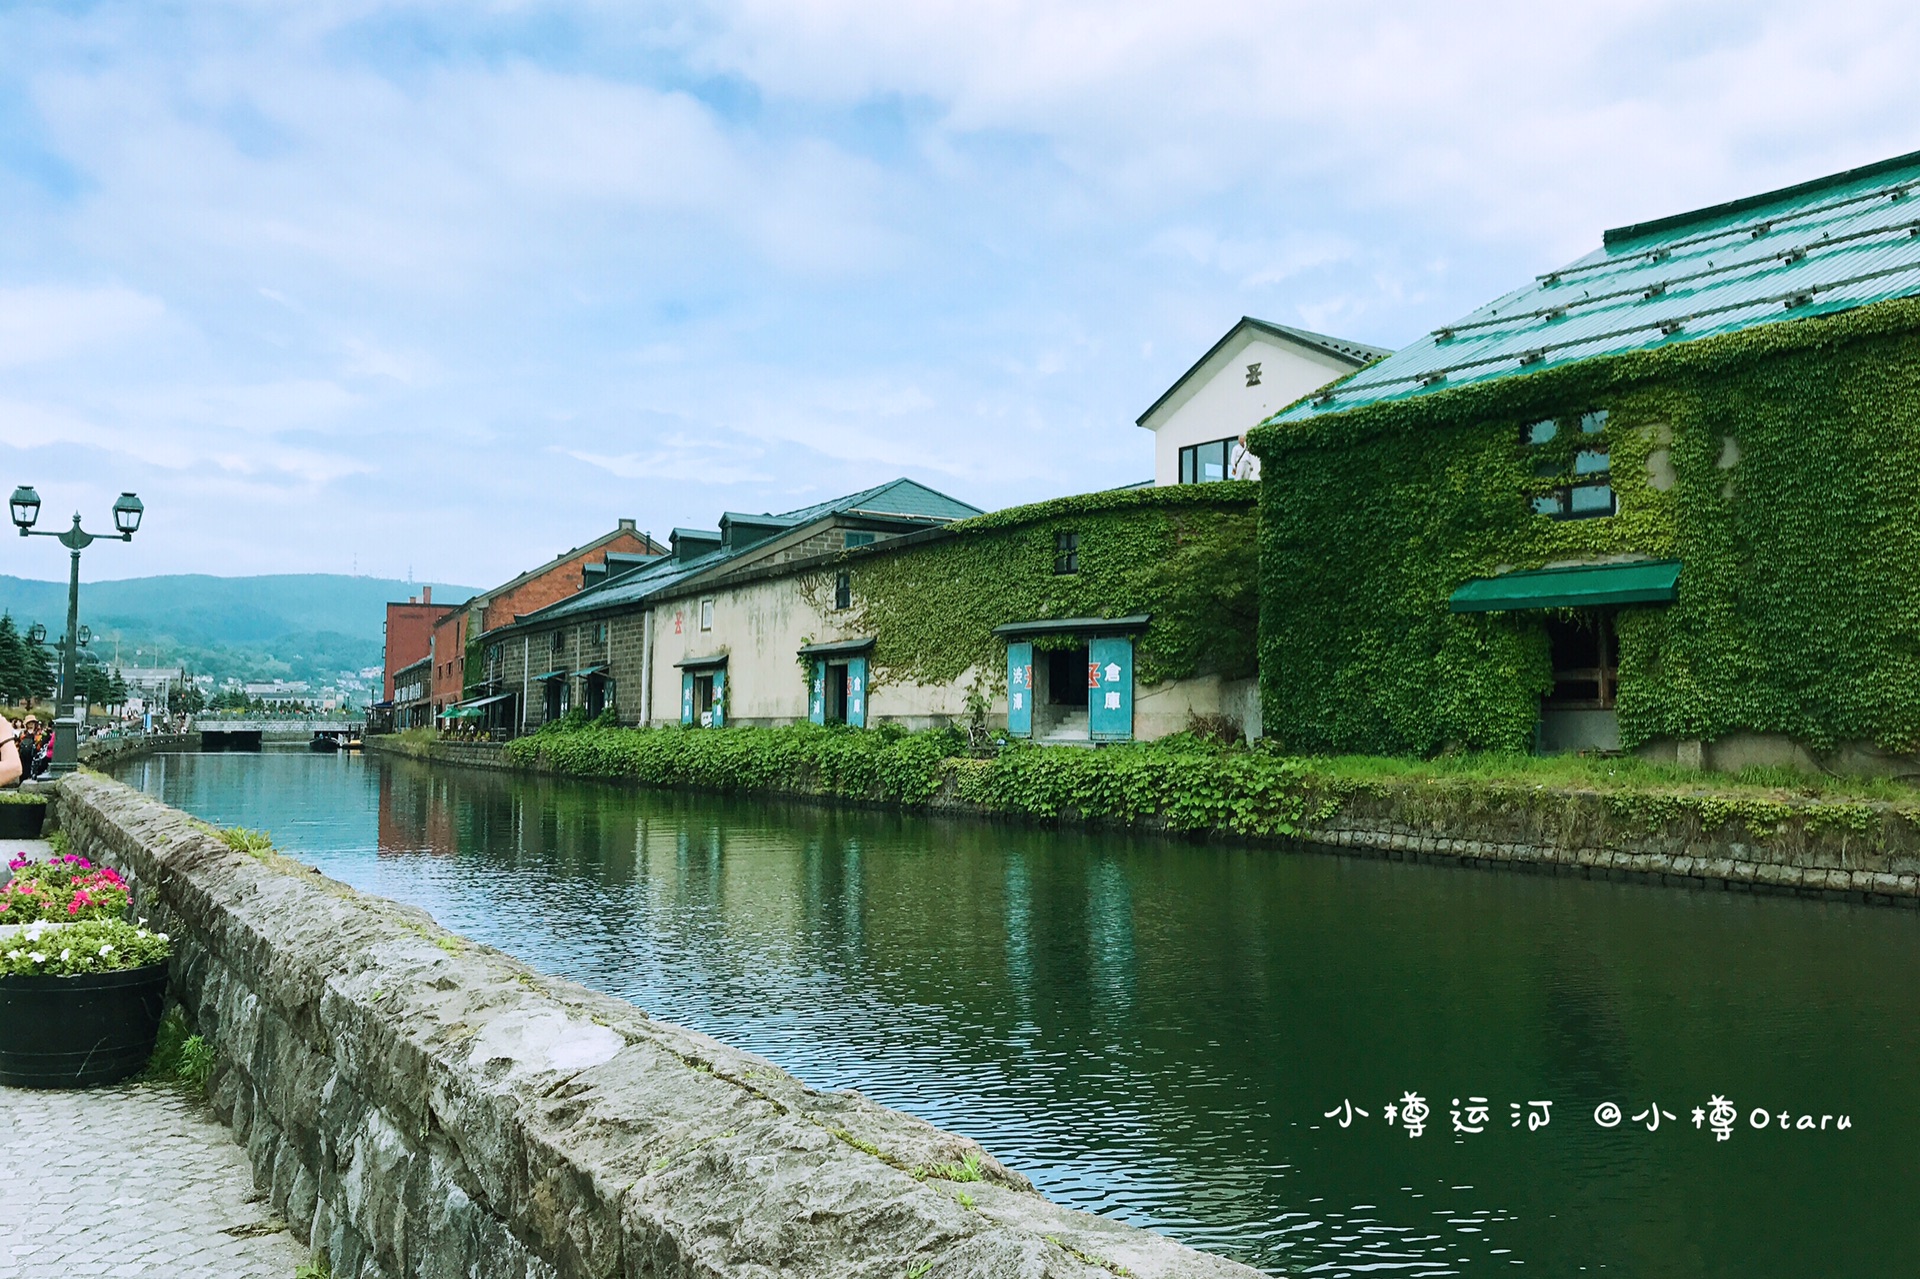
[[37, 957], [105, 951], [162, 936], [66, 954]]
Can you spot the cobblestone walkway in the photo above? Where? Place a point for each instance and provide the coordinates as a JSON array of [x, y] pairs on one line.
[[131, 1180]]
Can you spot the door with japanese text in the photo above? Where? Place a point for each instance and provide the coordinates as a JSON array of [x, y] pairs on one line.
[[1020, 690], [857, 692], [1110, 689]]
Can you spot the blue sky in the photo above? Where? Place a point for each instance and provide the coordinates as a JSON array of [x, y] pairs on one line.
[[447, 288]]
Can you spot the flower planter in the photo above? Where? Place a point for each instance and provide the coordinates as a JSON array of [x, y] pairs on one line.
[[79, 1031], [21, 820]]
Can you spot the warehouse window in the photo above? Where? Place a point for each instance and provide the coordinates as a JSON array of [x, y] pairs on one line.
[[843, 590], [706, 615], [1585, 490], [1066, 553]]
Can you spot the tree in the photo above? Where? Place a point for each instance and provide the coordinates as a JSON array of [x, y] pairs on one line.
[[116, 689], [13, 662], [40, 674]]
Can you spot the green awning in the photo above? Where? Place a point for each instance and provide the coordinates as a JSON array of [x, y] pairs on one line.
[[1576, 586], [552, 675], [462, 712]]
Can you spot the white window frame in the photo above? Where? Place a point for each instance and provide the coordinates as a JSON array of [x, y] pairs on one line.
[[706, 614]]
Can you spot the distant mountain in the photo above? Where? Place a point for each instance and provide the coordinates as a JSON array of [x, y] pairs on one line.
[[300, 626]]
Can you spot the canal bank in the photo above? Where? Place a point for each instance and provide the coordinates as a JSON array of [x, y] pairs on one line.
[[1650, 829], [417, 1103]]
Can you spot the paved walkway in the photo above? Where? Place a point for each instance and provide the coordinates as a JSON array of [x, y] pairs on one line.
[[130, 1180]]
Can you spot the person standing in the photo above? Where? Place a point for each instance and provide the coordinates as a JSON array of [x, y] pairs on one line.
[[11, 765]]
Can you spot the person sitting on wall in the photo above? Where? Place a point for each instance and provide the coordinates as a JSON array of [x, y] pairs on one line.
[[11, 765]]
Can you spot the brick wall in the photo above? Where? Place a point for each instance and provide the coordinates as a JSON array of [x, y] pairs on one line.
[[449, 658], [410, 633], [559, 582]]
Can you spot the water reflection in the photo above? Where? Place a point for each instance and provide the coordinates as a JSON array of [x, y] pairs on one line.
[[1155, 1030]]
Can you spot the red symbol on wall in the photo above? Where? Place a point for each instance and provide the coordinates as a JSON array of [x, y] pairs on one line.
[[679, 619], [1093, 675]]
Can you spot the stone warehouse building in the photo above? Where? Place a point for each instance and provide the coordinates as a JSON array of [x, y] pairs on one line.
[[1665, 498], [1104, 617]]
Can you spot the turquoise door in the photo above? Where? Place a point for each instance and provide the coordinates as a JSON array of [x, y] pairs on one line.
[[1110, 689], [857, 692], [817, 699], [686, 697], [720, 697], [1020, 690]]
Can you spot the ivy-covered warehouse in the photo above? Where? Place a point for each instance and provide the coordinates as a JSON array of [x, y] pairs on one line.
[[1665, 498], [1101, 617]]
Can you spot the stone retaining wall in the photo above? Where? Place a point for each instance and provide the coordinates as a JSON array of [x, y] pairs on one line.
[[417, 1104], [1862, 852]]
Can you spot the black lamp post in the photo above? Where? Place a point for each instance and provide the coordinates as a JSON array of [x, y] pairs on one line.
[[25, 505]]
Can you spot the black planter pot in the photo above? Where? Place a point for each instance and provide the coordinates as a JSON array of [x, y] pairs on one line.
[[76, 1032], [22, 821]]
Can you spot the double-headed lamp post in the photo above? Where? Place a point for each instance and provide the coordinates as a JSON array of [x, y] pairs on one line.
[[25, 504]]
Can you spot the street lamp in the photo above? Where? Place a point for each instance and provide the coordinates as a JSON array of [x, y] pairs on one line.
[[36, 634], [25, 508]]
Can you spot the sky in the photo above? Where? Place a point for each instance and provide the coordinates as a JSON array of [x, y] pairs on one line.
[[441, 290]]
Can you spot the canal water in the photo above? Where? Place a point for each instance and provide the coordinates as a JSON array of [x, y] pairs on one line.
[[1156, 1030]]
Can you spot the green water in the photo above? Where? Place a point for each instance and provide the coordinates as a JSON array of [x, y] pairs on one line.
[[1154, 1030]]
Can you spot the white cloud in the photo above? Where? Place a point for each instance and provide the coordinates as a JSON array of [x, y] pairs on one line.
[[47, 322], [400, 267]]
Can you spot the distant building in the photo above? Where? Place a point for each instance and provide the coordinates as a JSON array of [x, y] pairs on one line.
[[1200, 424], [155, 685], [413, 694], [408, 635], [609, 556]]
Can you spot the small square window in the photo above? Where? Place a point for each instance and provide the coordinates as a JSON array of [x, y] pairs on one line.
[[1541, 432], [843, 590], [706, 615], [1066, 553], [858, 539], [1593, 423]]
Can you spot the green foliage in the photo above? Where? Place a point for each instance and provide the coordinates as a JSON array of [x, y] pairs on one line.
[[1184, 554], [179, 1055], [254, 843], [1799, 611], [1180, 783], [26, 673], [96, 946]]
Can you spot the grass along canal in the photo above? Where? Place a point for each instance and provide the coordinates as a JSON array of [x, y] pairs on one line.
[[1155, 1030]]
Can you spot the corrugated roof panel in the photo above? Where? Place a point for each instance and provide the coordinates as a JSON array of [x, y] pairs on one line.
[[1814, 249]]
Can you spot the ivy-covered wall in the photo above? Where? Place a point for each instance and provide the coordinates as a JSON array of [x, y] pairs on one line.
[[1799, 604], [1187, 555]]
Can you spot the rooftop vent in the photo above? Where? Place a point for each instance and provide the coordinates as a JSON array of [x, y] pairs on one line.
[[1532, 357], [1799, 299], [1654, 290], [1434, 378], [1761, 228]]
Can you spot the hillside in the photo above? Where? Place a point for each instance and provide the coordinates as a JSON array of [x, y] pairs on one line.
[[299, 626]]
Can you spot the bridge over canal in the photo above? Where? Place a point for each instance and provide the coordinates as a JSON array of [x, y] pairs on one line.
[[218, 733]]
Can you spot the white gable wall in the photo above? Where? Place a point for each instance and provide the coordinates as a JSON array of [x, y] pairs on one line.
[[1216, 403]]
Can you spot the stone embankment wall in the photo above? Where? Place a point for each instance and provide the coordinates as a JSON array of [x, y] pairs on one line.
[[1855, 851], [106, 752], [416, 1104]]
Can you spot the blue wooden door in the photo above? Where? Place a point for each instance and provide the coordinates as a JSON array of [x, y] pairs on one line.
[[817, 699], [857, 692], [686, 697], [1110, 689], [719, 697], [1020, 690]]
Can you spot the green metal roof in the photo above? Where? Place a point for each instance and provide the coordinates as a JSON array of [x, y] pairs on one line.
[[1575, 586], [898, 500], [1813, 249]]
